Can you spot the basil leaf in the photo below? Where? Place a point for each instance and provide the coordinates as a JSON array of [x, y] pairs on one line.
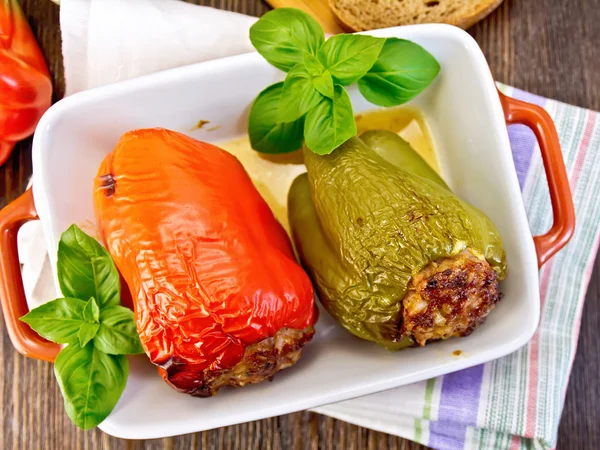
[[349, 57], [85, 269], [267, 134], [91, 312], [321, 78], [117, 334], [324, 84], [91, 383], [283, 35], [402, 71], [58, 320], [330, 124], [313, 65], [107, 281], [87, 332], [298, 95]]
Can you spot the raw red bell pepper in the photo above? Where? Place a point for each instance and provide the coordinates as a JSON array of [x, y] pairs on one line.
[[25, 86]]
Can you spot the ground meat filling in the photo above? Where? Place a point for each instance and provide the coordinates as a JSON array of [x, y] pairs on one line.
[[261, 361], [449, 298]]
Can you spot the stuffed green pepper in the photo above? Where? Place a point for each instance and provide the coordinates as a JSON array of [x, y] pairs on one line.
[[395, 256]]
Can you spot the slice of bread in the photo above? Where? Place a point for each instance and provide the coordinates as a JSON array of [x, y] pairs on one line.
[[361, 15]]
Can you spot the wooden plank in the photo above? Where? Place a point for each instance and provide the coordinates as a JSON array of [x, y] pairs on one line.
[[549, 47]]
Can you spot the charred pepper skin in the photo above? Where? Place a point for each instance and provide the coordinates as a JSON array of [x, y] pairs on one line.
[[25, 86], [372, 216], [219, 297]]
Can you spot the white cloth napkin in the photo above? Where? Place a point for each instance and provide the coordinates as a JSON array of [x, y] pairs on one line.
[[104, 41]]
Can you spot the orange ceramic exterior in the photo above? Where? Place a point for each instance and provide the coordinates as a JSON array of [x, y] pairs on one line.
[[540, 122], [210, 269], [12, 295]]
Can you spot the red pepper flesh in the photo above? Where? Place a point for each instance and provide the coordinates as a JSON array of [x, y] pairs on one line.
[[25, 86], [211, 271]]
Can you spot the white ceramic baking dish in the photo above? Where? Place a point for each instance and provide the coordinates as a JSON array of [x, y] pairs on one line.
[[467, 119]]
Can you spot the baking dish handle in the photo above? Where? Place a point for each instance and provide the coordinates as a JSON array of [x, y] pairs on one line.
[[12, 293], [540, 122]]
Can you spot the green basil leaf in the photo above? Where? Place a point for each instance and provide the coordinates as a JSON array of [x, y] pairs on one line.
[[267, 134], [313, 65], [85, 269], [402, 71], [283, 35], [298, 96], [91, 312], [324, 84], [117, 334], [87, 332], [106, 278], [91, 383], [350, 56], [321, 78], [58, 321], [330, 124]]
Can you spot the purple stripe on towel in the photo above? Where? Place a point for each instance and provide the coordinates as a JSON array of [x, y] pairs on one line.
[[522, 139], [459, 403]]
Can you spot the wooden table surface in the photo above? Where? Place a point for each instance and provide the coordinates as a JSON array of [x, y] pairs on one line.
[[549, 47]]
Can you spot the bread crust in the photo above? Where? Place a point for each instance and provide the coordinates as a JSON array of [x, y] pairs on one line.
[[352, 22], [479, 15]]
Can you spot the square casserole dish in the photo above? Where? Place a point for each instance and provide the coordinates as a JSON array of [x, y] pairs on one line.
[[467, 119]]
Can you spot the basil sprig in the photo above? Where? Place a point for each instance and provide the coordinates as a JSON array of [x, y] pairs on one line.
[[311, 105], [92, 369]]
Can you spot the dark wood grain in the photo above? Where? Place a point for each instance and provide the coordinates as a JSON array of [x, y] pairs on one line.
[[549, 47]]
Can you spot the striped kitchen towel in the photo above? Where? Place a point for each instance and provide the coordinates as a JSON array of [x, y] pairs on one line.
[[514, 402]]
